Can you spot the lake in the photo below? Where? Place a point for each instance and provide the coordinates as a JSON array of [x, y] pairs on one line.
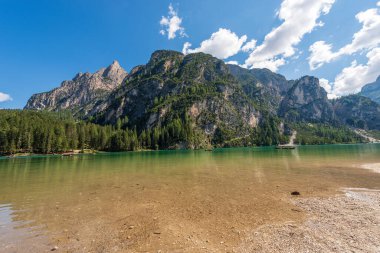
[[174, 201]]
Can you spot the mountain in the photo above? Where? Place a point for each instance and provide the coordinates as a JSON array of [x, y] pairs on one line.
[[196, 100], [358, 111], [306, 101], [263, 86], [197, 90], [372, 90], [81, 93]]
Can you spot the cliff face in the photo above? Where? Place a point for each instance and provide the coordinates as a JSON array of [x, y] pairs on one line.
[[358, 111], [81, 93], [172, 85], [306, 101], [263, 86], [372, 91]]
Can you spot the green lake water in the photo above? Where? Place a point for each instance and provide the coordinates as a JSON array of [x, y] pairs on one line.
[[47, 199]]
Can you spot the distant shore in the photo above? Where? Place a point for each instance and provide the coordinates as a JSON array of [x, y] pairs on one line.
[[91, 151]]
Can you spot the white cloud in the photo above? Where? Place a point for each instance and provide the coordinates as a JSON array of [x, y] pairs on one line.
[[232, 62], [324, 83], [222, 44], [249, 46], [300, 17], [5, 97], [352, 78], [172, 24], [367, 38], [320, 53]]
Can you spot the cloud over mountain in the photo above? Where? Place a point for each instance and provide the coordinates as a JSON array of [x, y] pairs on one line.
[[367, 38], [222, 44], [299, 18]]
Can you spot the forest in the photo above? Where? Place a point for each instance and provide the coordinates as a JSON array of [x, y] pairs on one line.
[[318, 133], [42, 132]]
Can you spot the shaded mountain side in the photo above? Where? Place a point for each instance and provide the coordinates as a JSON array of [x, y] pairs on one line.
[[358, 111], [372, 90], [263, 86], [80, 94]]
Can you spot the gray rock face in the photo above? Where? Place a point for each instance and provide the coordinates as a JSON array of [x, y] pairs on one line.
[[358, 111], [306, 101], [372, 91], [262, 86], [81, 93]]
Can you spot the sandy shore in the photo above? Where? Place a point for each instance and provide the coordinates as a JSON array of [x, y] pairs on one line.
[[349, 222]]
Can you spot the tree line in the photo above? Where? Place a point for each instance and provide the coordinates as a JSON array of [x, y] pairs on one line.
[[23, 131]]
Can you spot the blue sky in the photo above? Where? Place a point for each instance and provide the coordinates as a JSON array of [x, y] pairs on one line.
[[45, 42]]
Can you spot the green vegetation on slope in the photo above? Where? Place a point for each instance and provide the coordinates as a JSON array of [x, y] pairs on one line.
[[313, 134]]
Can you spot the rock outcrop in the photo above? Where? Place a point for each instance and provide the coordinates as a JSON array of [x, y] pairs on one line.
[[263, 86], [81, 93], [306, 101]]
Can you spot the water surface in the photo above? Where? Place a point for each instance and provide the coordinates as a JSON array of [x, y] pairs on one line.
[[177, 201]]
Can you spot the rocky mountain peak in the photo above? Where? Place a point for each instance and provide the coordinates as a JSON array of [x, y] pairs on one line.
[[307, 101], [372, 90], [115, 72], [80, 92]]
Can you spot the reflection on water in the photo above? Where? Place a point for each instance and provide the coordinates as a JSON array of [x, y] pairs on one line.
[[18, 235], [50, 194]]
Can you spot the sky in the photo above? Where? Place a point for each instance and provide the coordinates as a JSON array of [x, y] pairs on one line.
[[43, 42]]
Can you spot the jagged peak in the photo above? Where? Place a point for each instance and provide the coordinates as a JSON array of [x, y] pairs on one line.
[[116, 64], [114, 71], [80, 75]]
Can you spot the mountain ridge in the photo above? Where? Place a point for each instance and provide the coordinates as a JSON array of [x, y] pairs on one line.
[[208, 102], [79, 93], [372, 90]]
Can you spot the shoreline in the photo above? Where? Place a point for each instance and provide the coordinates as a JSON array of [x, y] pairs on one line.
[[94, 152]]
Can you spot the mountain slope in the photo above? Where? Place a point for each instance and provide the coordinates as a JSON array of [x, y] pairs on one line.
[[263, 86], [81, 93], [358, 111], [197, 90], [306, 101], [372, 90]]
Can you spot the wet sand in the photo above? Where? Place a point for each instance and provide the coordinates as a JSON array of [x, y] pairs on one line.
[[230, 203]]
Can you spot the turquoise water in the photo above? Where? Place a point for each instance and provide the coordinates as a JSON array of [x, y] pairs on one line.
[[34, 190]]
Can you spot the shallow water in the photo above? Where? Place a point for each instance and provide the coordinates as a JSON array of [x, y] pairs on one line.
[[180, 201]]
